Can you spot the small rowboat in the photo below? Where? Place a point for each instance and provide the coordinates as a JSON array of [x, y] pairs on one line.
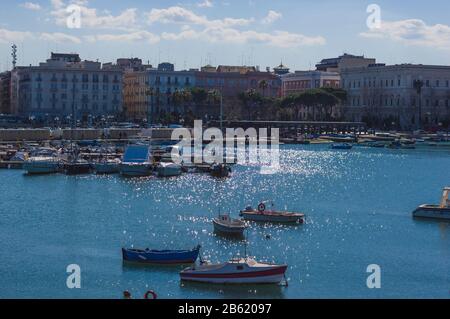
[[226, 225], [236, 271], [148, 256], [271, 216]]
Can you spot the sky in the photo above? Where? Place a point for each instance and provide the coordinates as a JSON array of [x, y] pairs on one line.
[[192, 33]]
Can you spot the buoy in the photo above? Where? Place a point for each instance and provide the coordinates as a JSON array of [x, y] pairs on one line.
[[261, 207], [152, 293]]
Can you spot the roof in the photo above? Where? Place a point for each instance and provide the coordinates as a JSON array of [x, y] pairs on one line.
[[136, 154]]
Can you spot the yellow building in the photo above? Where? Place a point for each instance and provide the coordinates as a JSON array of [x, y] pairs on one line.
[[136, 95]]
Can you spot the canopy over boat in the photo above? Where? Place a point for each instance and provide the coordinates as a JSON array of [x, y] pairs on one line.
[[137, 154]]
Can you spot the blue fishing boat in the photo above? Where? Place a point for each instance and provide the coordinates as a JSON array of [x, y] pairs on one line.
[[342, 146], [166, 257]]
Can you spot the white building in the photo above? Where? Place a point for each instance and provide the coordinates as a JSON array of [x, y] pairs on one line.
[[65, 84], [387, 96]]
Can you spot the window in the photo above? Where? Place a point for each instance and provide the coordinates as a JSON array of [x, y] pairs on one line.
[[437, 83], [427, 83]]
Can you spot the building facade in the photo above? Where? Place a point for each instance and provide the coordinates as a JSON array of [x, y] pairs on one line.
[[65, 84], [300, 81], [345, 61], [388, 96], [135, 95], [152, 93], [5, 93], [230, 81], [166, 86]]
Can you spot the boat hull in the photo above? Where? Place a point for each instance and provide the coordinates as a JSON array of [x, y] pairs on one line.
[[35, 168], [432, 212], [169, 171], [135, 170], [260, 217], [160, 257], [266, 276], [77, 168], [341, 147], [104, 168], [228, 230]]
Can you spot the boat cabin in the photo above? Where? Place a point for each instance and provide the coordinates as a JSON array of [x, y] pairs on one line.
[[445, 201], [137, 154]]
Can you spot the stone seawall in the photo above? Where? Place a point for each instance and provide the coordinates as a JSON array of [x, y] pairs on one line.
[[17, 135]]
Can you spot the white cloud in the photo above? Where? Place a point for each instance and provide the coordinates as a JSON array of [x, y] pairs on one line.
[[179, 15], [8, 36], [413, 32], [280, 39], [205, 4], [271, 17], [90, 18], [137, 36], [59, 38], [227, 30], [31, 6]]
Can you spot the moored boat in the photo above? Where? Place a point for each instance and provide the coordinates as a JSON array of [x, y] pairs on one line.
[[342, 146], [107, 167], [77, 167], [226, 225], [168, 169], [136, 161], [41, 165], [262, 214], [147, 256], [236, 271], [441, 211], [220, 170]]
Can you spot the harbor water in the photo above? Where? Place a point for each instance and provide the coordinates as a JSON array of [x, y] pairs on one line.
[[358, 207]]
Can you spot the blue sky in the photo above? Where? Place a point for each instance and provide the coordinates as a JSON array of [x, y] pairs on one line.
[[191, 33]]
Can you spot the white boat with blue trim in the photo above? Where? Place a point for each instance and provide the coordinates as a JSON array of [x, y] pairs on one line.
[[438, 212]]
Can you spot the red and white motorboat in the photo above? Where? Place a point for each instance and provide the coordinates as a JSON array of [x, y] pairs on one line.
[[236, 271], [262, 214]]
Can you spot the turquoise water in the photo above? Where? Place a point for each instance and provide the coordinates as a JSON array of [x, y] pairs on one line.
[[358, 205]]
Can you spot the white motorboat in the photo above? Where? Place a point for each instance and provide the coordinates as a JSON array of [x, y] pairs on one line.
[[262, 214], [168, 169], [224, 224], [42, 165], [236, 271], [440, 212]]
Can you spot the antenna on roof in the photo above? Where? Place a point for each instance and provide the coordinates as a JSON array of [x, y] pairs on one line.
[[14, 55]]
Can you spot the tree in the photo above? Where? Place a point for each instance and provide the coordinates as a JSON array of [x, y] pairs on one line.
[[313, 99], [263, 85]]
